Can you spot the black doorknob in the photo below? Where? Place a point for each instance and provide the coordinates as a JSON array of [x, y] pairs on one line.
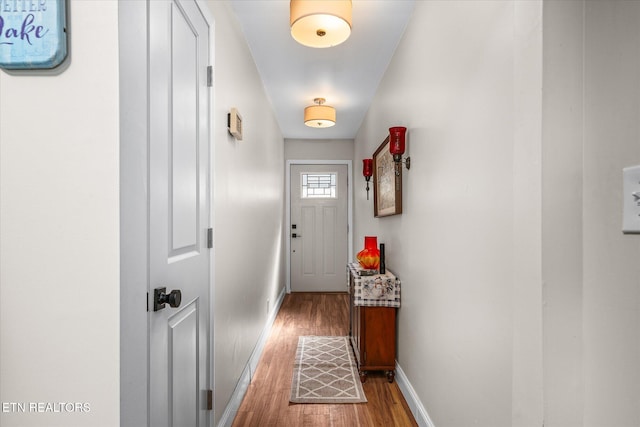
[[160, 298], [173, 299]]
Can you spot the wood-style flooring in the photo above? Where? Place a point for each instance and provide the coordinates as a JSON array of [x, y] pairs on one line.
[[267, 400]]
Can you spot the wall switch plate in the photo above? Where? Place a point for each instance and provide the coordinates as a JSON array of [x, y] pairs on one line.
[[631, 199]]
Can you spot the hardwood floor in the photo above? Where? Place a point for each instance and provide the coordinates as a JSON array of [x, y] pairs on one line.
[[267, 400]]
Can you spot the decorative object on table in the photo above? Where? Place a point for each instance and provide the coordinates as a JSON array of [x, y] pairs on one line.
[[397, 136], [382, 264], [369, 257], [363, 272], [367, 172], [325, 372], [378, 290], [33, 34], [380, 287], [387, 184]]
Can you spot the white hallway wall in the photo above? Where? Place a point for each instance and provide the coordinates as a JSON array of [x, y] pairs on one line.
[[521, 297], [590, 269], [318, 149], [249, 207], [452, 83], [611, 269], [59, 228]]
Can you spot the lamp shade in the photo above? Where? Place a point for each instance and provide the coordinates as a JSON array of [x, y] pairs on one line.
[[367, 167], [397, 140], [319, 116], [320, 23]]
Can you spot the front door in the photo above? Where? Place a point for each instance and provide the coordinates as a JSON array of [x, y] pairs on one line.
[[319, 227], [179, 202]]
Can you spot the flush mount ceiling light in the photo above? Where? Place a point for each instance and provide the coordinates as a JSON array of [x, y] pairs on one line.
[[319, 116], [320, 23]]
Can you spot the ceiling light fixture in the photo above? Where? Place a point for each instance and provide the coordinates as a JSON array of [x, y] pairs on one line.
[[320, 23], [319, 116]]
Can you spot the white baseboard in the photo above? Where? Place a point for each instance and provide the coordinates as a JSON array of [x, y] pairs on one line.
[[245, 378], [416, 406]]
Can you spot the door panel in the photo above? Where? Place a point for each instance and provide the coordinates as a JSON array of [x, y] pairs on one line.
[[319, 249], [183, 365], [179, 212], [308, 247], [184, 159], [330, 223]]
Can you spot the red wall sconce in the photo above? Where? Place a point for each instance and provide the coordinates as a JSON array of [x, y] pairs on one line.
[[367, 172], [397, 142]]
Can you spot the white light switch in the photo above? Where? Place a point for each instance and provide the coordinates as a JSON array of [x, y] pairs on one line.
[[631, 199]]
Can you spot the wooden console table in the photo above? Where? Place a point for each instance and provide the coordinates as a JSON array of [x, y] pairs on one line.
[[372, 326]]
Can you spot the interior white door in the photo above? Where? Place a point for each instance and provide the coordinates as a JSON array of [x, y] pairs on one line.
[[179, 207], [319, 227]]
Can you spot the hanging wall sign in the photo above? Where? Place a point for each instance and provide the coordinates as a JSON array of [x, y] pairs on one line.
[[33, 34]]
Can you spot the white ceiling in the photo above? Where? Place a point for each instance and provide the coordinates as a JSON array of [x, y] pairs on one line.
[[346, 75]]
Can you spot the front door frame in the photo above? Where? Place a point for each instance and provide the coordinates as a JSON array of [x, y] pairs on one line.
[[287, 221]]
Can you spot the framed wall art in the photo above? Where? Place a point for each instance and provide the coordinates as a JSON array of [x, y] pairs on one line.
[[387, 182], [33, 34]]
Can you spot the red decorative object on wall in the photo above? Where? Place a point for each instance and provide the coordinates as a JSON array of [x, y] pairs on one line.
[[367, 168], [367, 172], [397, 140]]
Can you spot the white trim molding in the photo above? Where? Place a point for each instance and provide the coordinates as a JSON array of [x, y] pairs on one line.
[[410, 395], [252, 364]]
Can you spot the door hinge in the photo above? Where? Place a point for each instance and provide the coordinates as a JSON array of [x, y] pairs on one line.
[[147, 301], [209, 400], [209, 76], [210, 238]]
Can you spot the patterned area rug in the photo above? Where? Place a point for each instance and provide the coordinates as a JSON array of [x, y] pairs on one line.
[[324, 372]]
